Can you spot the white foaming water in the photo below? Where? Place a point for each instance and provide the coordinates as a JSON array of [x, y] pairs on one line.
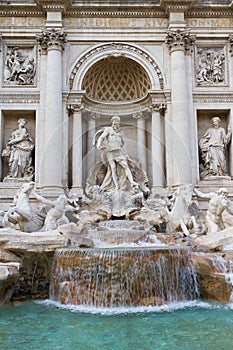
[[224, 267], [170, 307], [151, 241]]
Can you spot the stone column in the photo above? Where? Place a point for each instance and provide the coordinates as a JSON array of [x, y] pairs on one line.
[[91, 127], [177, 42], [141, 139], [40, 118], [157, 148], [52, 172], [77, 156]]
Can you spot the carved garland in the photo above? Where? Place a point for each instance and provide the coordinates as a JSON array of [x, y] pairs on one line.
[[116, 47]]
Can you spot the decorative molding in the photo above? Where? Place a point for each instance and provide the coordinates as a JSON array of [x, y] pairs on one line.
[[20, 98], [218, 13], [74, 101], [52, 39], [177, 6], [116, 13], [19, 13], [117, 49], [54, 5], [158, 107], [213, 98], [140, 116], [179, 40]]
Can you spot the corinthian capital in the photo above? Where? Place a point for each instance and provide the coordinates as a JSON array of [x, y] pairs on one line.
[[52, 39], [179, 40]]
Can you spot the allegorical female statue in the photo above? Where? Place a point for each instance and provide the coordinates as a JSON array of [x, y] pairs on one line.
[[19, 150], [212, 149]]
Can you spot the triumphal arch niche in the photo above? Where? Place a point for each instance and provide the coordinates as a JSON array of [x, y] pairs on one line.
[[122, 80]]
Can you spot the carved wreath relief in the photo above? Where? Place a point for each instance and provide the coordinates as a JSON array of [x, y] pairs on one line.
[[19, 67], [210, 66]]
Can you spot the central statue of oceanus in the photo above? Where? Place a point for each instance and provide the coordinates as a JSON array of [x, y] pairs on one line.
[[116, 178]]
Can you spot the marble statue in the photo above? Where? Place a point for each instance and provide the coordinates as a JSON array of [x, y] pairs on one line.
[[110, 141], [218, 202], [19, 151], [212, 149], [22, 212], [179, 217], [56, 213], [113, 182]]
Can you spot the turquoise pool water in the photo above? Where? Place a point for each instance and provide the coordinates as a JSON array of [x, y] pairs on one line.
[[179, 326]]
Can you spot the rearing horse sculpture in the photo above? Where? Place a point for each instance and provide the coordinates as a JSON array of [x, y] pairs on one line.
[[22, 213], [179, 218]]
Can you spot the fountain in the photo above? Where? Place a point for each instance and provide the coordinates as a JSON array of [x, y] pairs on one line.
[[122, 276], [111, 275]]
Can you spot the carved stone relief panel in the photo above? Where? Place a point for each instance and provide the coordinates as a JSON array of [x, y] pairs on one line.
[[210, 66], [19, 65]]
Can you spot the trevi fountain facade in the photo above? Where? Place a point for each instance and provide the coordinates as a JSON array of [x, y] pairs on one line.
[[116, 145]]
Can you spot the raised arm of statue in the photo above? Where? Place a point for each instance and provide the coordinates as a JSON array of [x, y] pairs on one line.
[[202, 195]]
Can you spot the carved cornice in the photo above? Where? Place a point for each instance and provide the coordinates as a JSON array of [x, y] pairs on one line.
[[177, 6], [20, 13], [54, 5], [123, 12], [20, 98], [116, 48], [212, 13], [179, 40], [52, 39], [203, 98]]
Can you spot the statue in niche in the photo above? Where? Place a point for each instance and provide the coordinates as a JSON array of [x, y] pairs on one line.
[[19, 68], [218, 202], [19, 149], [112, 181], [212, 149], [210, 66], [110, 141]]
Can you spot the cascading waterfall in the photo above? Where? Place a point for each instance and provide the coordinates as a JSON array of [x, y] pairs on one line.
[[122, 277], [224, 267]]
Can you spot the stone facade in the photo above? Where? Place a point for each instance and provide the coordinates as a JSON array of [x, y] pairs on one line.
[[68, 66]]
